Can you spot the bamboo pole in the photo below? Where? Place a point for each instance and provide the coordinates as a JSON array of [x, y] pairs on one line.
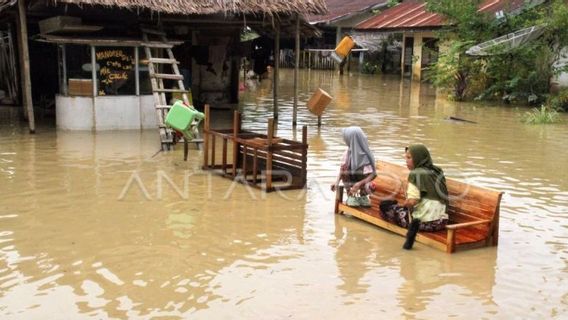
[[276, 70], [296, 71], [25, 64]]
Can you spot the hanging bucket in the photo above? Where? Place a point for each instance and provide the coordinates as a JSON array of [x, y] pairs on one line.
[[343, 49], [319, 100], [184, 119]]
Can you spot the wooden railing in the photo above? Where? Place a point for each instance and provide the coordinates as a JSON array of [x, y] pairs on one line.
[[313, 59]]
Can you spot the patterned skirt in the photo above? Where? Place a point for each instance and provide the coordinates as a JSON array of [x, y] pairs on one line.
[[392, 212]]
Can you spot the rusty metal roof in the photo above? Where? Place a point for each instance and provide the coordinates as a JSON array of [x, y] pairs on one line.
[[338, 9], [412, 14]]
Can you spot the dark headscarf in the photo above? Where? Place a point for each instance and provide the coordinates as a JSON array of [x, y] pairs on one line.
[[359, 153], [427, 177]]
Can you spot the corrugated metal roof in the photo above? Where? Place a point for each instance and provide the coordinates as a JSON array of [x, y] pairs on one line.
[[413, 15], [338, 9]]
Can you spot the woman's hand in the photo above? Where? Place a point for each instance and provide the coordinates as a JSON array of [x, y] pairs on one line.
[[353, 190], [410, 203]]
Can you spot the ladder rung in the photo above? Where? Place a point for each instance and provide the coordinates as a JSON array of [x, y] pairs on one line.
[[152, 31], [170, 90], [167, 76], [157, 44], [163, 60]]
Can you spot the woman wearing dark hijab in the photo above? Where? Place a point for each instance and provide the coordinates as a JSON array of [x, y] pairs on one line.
[[357, 168], [426, 196]]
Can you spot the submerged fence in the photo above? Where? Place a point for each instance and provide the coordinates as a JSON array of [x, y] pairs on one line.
[[316, 59]]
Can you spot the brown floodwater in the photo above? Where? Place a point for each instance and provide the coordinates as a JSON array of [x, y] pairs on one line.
[[91, 226]]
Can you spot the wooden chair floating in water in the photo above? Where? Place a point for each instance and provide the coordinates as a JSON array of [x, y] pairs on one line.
[[259, 160], [473, 211]]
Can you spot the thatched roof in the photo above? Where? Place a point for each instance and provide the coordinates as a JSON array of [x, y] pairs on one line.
[[269, 7], [6, 3]]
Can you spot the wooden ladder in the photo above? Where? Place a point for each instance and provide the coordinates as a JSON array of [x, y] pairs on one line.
[[156, 39]]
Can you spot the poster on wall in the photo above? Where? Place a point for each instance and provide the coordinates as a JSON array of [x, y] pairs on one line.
[[115, 71]]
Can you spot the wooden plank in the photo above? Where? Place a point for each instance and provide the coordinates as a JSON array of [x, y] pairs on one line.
[[163, 61], [391, 227], [168, 76], [157, 44], [164, 90]]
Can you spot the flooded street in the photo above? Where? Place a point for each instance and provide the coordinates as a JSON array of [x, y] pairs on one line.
[[91, 226]]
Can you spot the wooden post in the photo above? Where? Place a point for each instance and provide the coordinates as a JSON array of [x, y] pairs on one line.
[[337, 35], [319, 121], [254, 166], [450, 240], [206, 137], [338, 198], [94, 76], [245, 153], [296, 71], [213, 151], [417, 54], [276, 70], [63, 69], [185, 149], [137, 71], [25, 66], [402, 54], [269, 134], [224, 157], [236, 130], [304, 155]]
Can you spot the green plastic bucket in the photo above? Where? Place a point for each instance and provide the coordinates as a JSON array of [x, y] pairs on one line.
[[184, 119]]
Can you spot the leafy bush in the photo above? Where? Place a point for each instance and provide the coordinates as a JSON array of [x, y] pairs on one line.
[[559, 102], [542, 115], [370, 68]]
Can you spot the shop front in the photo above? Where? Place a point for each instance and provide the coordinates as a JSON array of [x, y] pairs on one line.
[[103, 87]]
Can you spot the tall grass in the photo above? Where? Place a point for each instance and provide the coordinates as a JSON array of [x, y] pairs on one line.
[[542, 115]]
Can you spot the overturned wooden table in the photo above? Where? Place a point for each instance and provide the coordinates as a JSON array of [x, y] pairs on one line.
[[259, 160]]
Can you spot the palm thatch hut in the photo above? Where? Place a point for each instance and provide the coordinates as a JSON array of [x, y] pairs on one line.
[[71, 40]]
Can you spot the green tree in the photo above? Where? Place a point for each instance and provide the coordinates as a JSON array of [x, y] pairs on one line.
[[520, 74]]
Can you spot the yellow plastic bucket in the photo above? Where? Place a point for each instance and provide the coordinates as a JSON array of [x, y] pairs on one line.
[[343, 48]]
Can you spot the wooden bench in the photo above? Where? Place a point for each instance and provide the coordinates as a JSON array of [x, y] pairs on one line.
[[473, 211]]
